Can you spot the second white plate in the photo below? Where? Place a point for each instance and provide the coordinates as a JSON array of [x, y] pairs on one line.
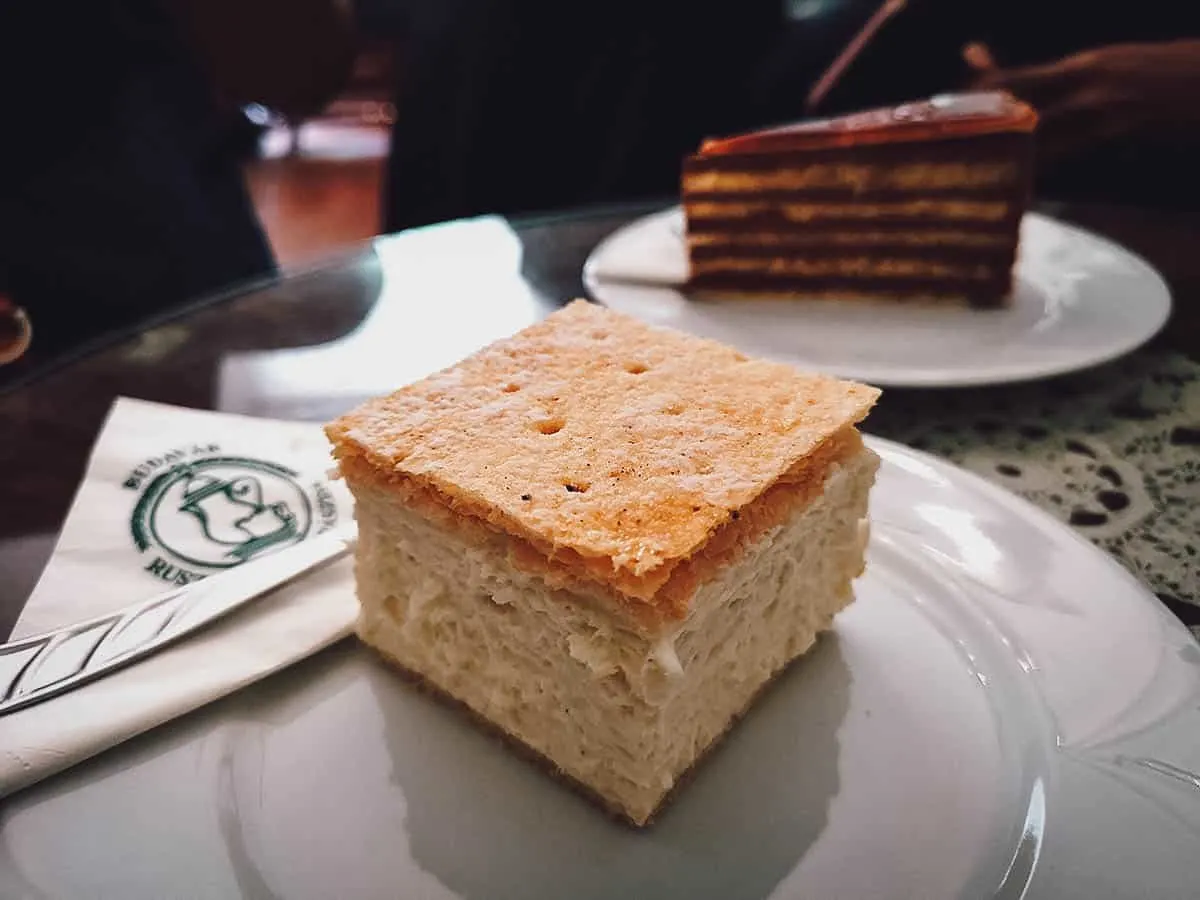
[[1080, 300]]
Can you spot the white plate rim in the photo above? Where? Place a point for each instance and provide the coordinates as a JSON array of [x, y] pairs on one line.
[[967, 484]]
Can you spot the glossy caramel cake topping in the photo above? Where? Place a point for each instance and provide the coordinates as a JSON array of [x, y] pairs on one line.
[[944, 116]]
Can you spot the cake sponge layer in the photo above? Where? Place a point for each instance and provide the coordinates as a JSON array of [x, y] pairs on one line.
[[619, 709]]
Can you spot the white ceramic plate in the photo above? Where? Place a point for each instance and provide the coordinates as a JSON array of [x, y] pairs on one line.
[[1079, 300], [1004, 712]]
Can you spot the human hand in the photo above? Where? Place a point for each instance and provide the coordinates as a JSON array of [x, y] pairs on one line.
[[1111, 93]]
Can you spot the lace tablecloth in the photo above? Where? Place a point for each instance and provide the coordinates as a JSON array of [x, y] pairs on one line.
[[1114, 452]]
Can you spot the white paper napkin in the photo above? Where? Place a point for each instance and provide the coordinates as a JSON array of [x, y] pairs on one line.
[[169, 495]]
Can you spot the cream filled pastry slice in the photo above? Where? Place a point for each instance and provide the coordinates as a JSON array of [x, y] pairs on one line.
[[605, 539]]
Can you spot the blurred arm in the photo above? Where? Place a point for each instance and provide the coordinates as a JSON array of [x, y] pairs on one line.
[[1134, 91]]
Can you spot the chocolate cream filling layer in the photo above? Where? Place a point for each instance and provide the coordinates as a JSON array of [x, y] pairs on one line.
[[755, 285], [858, 178], [800, 209], [810, 258], [881, 239]]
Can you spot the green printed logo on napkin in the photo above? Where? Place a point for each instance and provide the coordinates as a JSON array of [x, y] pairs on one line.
[[205, 512]]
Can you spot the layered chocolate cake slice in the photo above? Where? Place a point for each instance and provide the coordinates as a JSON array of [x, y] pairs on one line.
[[920, 201]]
